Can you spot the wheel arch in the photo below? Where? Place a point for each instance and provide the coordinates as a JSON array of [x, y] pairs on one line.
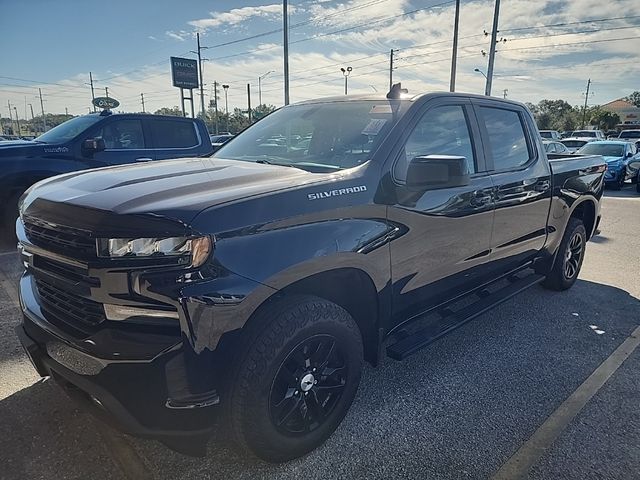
[[348, 287], [586, 211]]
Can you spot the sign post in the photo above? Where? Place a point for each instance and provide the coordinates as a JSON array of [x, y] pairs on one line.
[[184, 73]]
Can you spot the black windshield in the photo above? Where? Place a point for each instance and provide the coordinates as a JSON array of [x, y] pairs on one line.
[[329, 136], [69, 129]]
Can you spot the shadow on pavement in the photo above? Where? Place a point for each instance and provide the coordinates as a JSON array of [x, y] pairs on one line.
[[457, 409]]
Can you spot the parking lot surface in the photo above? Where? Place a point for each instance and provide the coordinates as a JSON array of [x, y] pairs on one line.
[[460, 408]]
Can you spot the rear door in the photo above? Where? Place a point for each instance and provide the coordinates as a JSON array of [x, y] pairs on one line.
[[175, 138], [522, 178], [446, 233]]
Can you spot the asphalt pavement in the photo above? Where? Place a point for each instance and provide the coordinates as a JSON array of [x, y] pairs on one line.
[[459, 409]]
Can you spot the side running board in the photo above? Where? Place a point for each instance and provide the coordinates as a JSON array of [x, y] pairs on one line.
[[450, 320]]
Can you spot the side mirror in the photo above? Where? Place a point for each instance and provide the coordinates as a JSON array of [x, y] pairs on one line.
[[635, 165], [92, 145], [432, 172]]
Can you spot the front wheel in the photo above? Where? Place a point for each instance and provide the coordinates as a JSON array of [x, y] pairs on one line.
[[295, 379], [568, 262]]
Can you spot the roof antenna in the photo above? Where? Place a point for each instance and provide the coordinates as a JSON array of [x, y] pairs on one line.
[[396, 91]]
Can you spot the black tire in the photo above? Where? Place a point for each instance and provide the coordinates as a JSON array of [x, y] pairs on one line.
[[278, 407], [568, 262], [638, 184]]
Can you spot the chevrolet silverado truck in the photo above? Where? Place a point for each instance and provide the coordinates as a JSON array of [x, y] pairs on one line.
[[242, 293], [90, 141]]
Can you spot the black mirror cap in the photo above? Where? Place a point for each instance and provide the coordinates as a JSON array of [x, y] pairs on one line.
[[93, 145], [433, 172]]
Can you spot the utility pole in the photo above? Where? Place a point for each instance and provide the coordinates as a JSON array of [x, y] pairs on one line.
[[33, 123], [142, 98], [215, 99], [93, 95], [492, 50], [32, 117], [44, 120], [10, 114], [586, 100], [226, 103], [15, 109], [285, 26], [504, 93], [249, 102], [66, 111], [106, 92], [200, 71], [391, 68], [454, 56]]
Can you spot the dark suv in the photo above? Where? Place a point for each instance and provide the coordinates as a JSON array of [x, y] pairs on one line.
[[90, 141]]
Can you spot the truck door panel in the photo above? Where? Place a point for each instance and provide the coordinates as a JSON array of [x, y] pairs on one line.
[[522, 180], [447, 232]]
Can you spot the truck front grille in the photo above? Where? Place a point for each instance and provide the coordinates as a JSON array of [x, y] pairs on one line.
[[62, 307], [77, 244]]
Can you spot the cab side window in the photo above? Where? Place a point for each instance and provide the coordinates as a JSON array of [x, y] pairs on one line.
[[441, 131], [507, 138], [169, 133], [123, 135]]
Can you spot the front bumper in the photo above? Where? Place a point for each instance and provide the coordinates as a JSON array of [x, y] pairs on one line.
[[146, 397]]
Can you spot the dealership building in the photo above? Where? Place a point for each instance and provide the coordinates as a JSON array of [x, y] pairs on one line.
[[629, 114]]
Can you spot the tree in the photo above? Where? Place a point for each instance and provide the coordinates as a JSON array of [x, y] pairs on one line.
[[634, 98], [262, 110], [602, 119], [555, 114], [175, 111]]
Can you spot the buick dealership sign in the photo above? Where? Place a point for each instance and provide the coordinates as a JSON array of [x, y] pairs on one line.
[[184, 72]]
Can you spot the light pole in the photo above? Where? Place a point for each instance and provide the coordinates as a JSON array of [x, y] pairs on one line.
[[480, 72], [226, 103], [260, 86], [346, 72]]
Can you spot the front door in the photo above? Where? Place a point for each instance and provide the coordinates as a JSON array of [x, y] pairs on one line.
[[444, 235], [125, 142]]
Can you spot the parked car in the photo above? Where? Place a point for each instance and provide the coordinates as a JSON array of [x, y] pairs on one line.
[[218, 140], [617, 154], [630, 135], [634, 167], [555, 147], [566, 134], [550, 134], [596, 134], [252, 288], [574, 143], [94, 140]]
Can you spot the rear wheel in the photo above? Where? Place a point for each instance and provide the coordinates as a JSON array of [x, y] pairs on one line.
[[569, 257], [296, 378], [638, 183]]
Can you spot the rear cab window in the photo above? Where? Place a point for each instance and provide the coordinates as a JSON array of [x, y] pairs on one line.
[[508, 142], [169, 133]]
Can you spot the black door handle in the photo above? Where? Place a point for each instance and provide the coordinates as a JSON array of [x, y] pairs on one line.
[[542, 186], [481, 197]]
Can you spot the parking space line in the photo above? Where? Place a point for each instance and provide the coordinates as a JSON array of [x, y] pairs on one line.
[[5, 254], [520, 463], [123, 454]]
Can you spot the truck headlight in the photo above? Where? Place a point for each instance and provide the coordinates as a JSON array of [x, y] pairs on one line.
[[197, 248]]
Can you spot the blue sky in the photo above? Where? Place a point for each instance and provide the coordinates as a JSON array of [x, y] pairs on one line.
[[552, 47]]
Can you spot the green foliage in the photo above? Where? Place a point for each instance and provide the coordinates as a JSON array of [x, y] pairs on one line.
[[602, 119], [175, 111], [634, 98]]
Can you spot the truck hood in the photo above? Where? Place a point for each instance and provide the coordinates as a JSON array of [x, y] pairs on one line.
[[170, 189]]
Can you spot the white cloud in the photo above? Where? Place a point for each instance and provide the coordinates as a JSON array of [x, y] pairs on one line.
[[181, 35], [236, 16]]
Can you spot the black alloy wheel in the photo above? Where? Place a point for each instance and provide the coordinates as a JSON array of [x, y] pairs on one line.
[[307, 386], [573, 256]]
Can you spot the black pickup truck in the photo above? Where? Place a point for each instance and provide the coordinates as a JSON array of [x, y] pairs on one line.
[[90, 141], [246, 289]]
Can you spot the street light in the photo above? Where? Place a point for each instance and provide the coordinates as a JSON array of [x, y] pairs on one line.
[[15, 109], [226, 103], [346, 72], [260, 86], [480, 71]]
